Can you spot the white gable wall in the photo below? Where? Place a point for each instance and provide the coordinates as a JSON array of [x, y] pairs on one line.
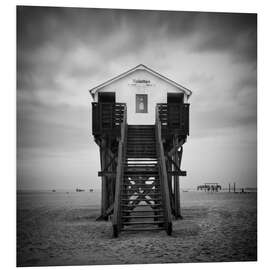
[[127, 87]]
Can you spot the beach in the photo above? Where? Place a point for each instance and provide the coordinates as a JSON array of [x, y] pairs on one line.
[[59, 228]]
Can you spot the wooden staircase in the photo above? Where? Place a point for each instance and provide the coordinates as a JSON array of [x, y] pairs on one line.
[[141, 202], [138, 178]]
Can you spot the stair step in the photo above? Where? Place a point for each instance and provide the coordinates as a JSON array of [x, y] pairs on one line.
[[141, 155], [143, 142], [140, 147], [151, 189], [135, 177], [140, 142], [128, 196], [141, 126], [141, 131], [149, 173], [142, 159], [151, 216], [143, 229], [142, 138], [134, 183], [137, 168], [144, 211], [142, 222], [135, 148], [133, 134], [142, 205], [136, 162], [128, 193], [141, 182], [141, 163], [150, 129], [126, 177], [141, 151], [141, 167], [141, 186], [145, 189], [143, 194], [144, 135], [141, 200], [140, 175], [153, 163]]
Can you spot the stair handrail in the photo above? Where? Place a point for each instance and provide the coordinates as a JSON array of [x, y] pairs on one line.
[[163, 174], [116, 219]]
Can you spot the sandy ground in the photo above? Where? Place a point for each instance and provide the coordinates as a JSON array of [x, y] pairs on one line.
[[216, 227]]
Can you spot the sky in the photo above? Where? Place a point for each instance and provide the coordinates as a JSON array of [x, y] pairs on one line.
[[64, 52]]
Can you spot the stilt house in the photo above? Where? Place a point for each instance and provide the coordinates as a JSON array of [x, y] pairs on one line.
[[140, 121]]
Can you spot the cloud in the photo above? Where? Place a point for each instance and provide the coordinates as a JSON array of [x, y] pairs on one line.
[[235, 33], [63, 52]]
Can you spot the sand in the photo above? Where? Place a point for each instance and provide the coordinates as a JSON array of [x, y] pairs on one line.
[[60, 229]]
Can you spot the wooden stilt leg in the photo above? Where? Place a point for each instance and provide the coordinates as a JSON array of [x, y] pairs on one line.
[[104, 184], [179, 196], [169, 166], [176, 184]]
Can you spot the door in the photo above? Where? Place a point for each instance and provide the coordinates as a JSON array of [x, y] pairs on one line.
[[174, 104], [106, 97], [175, 98], [106, 102]]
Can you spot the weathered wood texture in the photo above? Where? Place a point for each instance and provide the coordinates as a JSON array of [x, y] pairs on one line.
[[174, 118], [107, 118], [163, 175], [116, 221]]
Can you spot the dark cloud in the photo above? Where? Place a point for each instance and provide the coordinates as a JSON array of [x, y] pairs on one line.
[[233, 32], [57, 128], [212, 120], [114, 33], [38, 26], [61, 52]]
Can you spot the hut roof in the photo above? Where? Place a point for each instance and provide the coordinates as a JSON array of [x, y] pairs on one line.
[[140, 67]]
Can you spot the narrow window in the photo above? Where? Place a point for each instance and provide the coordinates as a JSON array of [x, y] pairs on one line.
[[141, 103]]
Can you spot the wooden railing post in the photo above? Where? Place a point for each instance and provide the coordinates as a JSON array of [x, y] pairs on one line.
[[116, 220], [163, 175]]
